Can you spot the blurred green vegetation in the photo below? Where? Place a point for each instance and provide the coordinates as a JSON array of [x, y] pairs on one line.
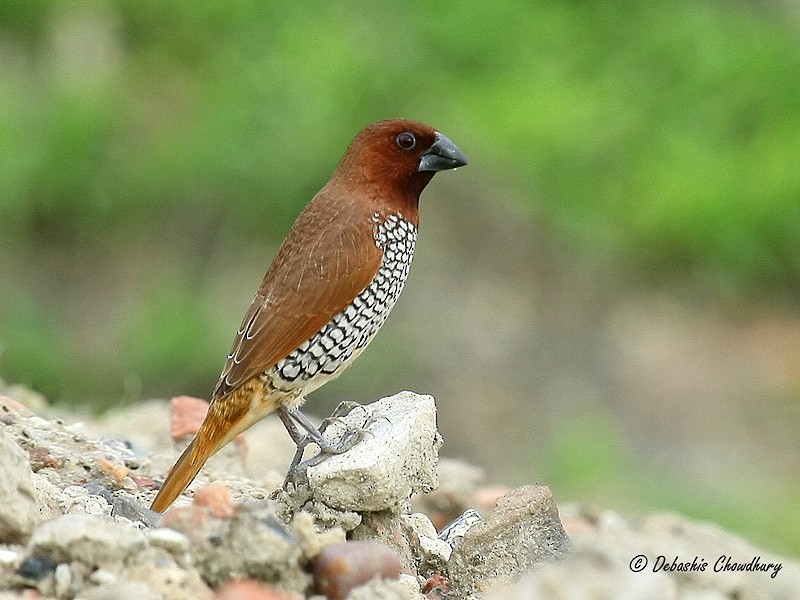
[[670, 135], [144, 144]]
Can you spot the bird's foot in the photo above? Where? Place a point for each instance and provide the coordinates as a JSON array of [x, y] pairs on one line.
[[339, 413], [294, 421]]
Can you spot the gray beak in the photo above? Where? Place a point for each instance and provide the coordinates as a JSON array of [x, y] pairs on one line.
[[442, 155]]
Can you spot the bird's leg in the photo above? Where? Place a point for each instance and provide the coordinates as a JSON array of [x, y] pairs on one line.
[[349, 439], [300, 439]]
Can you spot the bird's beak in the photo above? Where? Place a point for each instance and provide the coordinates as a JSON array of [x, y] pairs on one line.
[[442, 155]]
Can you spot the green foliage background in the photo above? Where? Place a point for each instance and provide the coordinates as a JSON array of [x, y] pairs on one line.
[[149, 142]]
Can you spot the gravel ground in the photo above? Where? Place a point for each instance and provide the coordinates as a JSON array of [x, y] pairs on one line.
[[388, 519]]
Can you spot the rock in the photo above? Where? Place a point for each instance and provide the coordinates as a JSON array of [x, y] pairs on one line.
[[387, 528], [10, 406], [121, 503], [430, 552], [89, 539], [523, 530], [167, 579], [170, 540], [610, 555], [19, 507], [310, 539], [254, 543], [36, 568], [342, 567], [217, 498], [456, 530], [186, 415], [46, 497], [437, 587], [64, 455], [396, 457], [62, 578], [76, 499]]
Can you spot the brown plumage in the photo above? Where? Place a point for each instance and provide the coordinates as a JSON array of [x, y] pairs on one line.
[[328, 290]]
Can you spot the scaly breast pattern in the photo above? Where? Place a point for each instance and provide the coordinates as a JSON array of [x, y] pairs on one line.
[[328, 352]]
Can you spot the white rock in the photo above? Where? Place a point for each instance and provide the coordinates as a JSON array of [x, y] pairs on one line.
[[19, 512], [63, 580], [396, 457], [168, 539], [92, 540], [47, 496], [102, 577], [422, 533], [75, 499]]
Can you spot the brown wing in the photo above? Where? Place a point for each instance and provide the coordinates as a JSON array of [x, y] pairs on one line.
[[327, 259]]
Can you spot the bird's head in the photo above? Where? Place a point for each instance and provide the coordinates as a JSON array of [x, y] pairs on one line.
[[399, 155]]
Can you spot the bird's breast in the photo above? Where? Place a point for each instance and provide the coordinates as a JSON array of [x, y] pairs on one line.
[[328, 352]]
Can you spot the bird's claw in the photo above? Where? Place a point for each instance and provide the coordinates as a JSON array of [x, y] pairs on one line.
[[349, 438], [339, 413]]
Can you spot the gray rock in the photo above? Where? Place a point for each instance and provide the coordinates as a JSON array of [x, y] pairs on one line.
[[257, 544], [92, 540], [523, 530], [19, 510], [612, 558], [396, 457], [167, 579]]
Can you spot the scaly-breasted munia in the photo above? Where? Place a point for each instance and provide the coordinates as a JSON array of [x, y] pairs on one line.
[[331, 286]]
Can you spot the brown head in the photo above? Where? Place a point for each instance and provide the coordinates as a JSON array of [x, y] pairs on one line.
[[396, 156]]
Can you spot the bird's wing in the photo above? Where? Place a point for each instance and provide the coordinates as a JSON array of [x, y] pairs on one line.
[[328, 258]]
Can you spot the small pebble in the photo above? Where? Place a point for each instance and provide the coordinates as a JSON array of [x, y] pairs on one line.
[[458, 528], [116, 471], [437, 586], [36, 567], [186, 415], [63, 580], [217, 498], [102, 577], [170, 540], [40, 458]]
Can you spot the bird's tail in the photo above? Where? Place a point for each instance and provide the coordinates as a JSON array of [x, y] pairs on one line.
[[224, 421], [181, 475]]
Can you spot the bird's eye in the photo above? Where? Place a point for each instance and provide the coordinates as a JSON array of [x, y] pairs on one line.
[[406, 140]]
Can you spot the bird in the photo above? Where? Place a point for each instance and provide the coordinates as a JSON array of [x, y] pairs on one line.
[[327, 292]]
